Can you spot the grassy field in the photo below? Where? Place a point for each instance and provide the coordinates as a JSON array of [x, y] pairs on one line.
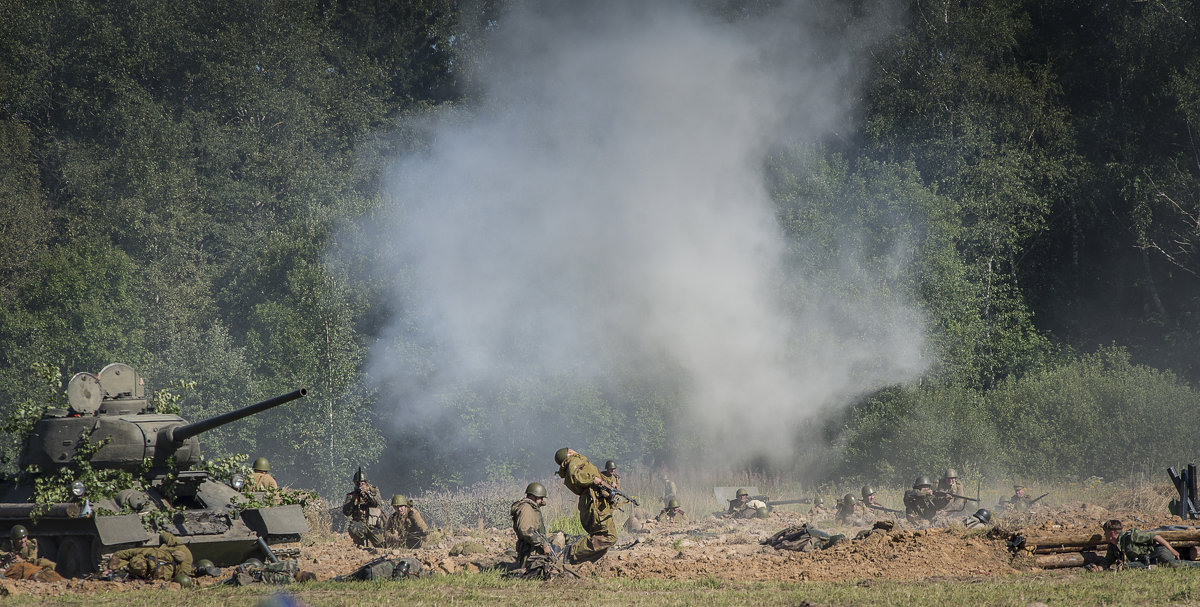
[[1158, 587]]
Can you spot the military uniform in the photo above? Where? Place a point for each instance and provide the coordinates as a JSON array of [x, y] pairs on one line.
[[613, 479], [1019, 502], [669, 490], [25, 552], [672, 516], [921, 506], [595, 510], [639, 520], [820, 510], [261, 481], [527, 518], [365, 512], [407, 530], [951, 485], [1138, 549], [160, 563]]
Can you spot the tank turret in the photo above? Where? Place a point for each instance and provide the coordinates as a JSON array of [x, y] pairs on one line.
[[110, 409]]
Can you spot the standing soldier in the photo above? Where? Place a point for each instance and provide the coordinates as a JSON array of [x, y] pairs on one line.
[[669, 490], [261, 479], [406, 527], [950, 484], [595, 506], [672, 514], [528, 523], [920, 504], [364, 507], [610, 476]]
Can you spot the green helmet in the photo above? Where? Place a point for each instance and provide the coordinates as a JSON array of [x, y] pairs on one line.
[[560, 456], [204, 563], [741, 492], [252, 562], [762, 512], [848, 499], [867, 491], [399, 500], [360, 476], [922, 481], [535, 489], [183, 580], [18, 532], [951, 473], [262, 465], [610, 465], [672, 503]]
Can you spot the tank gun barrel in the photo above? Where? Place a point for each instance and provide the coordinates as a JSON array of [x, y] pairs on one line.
[[178, 434]]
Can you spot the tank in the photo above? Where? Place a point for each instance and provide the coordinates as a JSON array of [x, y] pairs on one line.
[[110, 410]]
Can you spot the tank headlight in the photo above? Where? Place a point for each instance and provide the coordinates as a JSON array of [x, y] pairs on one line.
[[77, 489], [237, 481]]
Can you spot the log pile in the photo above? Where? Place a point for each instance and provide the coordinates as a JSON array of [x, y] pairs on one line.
[[1057, 551]]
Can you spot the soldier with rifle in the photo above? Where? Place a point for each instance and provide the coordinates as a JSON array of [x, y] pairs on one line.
[[672, 514], [920, 503], [364, 507], [529, 525], [1020, 500], [610, 475], [848, 510], [950, 485], [406, 527], [595, 504], [868, 502]]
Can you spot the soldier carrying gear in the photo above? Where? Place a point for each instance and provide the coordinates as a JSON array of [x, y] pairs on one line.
[[610, 474], [595, 509], [406, 527], [261, 479], [364, 508], [529, 525], [672, 514]]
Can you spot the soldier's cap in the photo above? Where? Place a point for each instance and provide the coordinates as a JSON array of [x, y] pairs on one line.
[[1017, 487]]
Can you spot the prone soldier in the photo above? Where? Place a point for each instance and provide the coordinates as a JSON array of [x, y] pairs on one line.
[[595, 504], [672, 514], [848, 510], [1137, 549], [364, 507], [741, 506], [405, 527], [170, 560]]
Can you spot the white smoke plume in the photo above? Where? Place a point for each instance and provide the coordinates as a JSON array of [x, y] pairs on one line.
[[603, 205]]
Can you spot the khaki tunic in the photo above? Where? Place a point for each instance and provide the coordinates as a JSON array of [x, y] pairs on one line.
[[612, 479], [669, 517], [408, 530], [595, 510], [261, 481], [956, 504], [366, 509], [26, 552], [919, 505], [161, 563], [527, 518]]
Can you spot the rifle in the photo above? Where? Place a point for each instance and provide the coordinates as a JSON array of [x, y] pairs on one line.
[[557, 553], [954, 495], [1035, 500], [772, 504], [882, 508], [614, 493]]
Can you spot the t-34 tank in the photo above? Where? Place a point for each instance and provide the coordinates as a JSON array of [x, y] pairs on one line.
[[109, 410]]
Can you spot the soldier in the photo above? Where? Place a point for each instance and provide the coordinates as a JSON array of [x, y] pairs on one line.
[[819, 508], [920, 504], [22, 561], [1019, 501], [639, 520], [610, 476], [528, 523], [364, 507], [949, 483], [847, 510], [406, 527], [741, 507], [672, 514], [1137, 549], [171, 560], [980, 518], [595, 507], [669, 490], [261, 479]]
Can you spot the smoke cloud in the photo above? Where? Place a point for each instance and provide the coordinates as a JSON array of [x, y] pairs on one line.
[[601, 213]]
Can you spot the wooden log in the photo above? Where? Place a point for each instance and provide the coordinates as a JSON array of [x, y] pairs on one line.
[[1082, 541], [18, 511], [1072, 559]]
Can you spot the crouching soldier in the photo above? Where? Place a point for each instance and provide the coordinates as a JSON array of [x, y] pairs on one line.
[[529, 525], [406, 527], [1137, 549], [672, 514], [22, 561]]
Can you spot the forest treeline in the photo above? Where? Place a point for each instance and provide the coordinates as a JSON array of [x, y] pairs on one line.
[[175, 175]]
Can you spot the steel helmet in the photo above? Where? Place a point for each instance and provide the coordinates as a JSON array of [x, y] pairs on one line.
[[610, 465], [922, 481], [399, 500], [18, 532], [560, 456], [951, 473], [183, 580], [867, 491], [848, 499], [673, 503], [820, 501], [262, 465], [762, 512], [741, 492], [535, 489], [983, 516], [360, 476]]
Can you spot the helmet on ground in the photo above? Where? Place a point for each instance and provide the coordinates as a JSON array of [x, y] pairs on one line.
[[399, 500], [983, 516], [360, 476], [951, 473], [560, 456], [673, 503], [536, 490], [848, 499], [183, 580], [262, 465], [867, 491], [204, 563], [18, 532], [741, 492], [922, 481], [610, 465]]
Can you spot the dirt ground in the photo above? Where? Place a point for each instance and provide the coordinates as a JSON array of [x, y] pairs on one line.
[[727, 549]]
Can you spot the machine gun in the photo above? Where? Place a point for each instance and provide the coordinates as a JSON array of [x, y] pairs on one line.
[[1035, 500], [883, 508], [955, 496], [614, 493], [772, 503]]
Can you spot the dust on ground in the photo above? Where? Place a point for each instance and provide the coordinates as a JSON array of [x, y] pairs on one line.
[[714, 548]]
